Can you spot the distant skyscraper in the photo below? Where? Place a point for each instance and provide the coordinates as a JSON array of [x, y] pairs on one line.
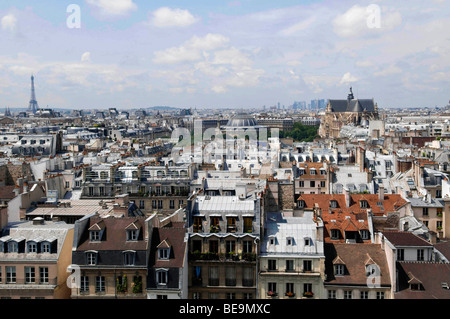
[[33, 107]]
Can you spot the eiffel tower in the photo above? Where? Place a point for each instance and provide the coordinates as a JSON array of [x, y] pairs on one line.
[[33, 106]]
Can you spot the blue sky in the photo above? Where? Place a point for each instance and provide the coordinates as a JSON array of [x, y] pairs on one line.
[[237, 53]]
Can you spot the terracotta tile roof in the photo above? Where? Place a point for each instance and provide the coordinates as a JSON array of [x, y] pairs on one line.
[[355, 258], [432, 276], [404, 238], [391, 202]]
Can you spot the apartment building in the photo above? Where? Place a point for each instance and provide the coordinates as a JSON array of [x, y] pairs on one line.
[[224, 234], [34, 256], [292, 260]]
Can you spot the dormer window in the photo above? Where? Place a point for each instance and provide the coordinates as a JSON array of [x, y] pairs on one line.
[[289, 241], [301, 204], [45, 247], [363, 204], [364, 234], [272, 240], [132, 235], [163, 253], [339, 269], [333, 204], [13, 247], [335, 233], [95, 235], [312, 171], [307, 241], [32, 247], [133, 231]]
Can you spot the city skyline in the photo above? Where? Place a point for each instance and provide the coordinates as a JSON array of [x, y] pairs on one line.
[[132, 54]]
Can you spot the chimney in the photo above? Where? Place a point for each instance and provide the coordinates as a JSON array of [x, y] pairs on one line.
[[25, 187], [347, 196], [381, 193]]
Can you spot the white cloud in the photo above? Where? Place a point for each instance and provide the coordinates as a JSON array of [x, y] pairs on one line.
[[167, 17], [390, 70], [347, 78], [113, 7], [301, 26], [9, 22], [231, 56], [191, 50], [359, 20], [86, 57]]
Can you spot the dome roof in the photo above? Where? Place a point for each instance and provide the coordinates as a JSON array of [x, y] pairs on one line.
[[242, 120]]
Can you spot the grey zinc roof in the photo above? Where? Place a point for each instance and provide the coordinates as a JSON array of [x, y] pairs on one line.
[[356, 105], [419, 202], [50, 231], [297, 228], [221, 204]]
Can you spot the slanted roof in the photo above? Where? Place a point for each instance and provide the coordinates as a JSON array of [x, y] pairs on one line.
[[355, 256], [403, 238]]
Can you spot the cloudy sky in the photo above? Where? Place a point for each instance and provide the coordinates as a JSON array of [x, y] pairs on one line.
[[242, 53]]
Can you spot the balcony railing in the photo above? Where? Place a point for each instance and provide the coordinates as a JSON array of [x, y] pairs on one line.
[[28, 281]]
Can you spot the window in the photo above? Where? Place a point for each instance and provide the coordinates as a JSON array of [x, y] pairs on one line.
[[363, 204], [335, 234], [364, 295], [230, 276], [32, 247], [380, 295], [196, 295], [312, 171], [161, 277], [43, 275], [67, 184], [400, 254], [132, 235], [231, 224], [230, 247], [247, 295], [289, 288], [322, 184], [289, 265], [91, 258], [289, 241], [438, 193], [84, 284], [247, 246], [364, 234], [420, 255], [214, 246], [348, 294], [307, 241], [128, 258], [439, 224], [230, 295], [154, 204], [307, 287], [425, 211], [30, 275], [272, 264], [95, 235], [307, 265], [248, 224], [331, 294], [100, 284], [10, 274], [213, 279], [13, 247], [160, 204], [45, 247], [163, 253], [272, 287], [312, 184], [301, 184], [172, 204], [142, 204], [301, 204], [339, 269]]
